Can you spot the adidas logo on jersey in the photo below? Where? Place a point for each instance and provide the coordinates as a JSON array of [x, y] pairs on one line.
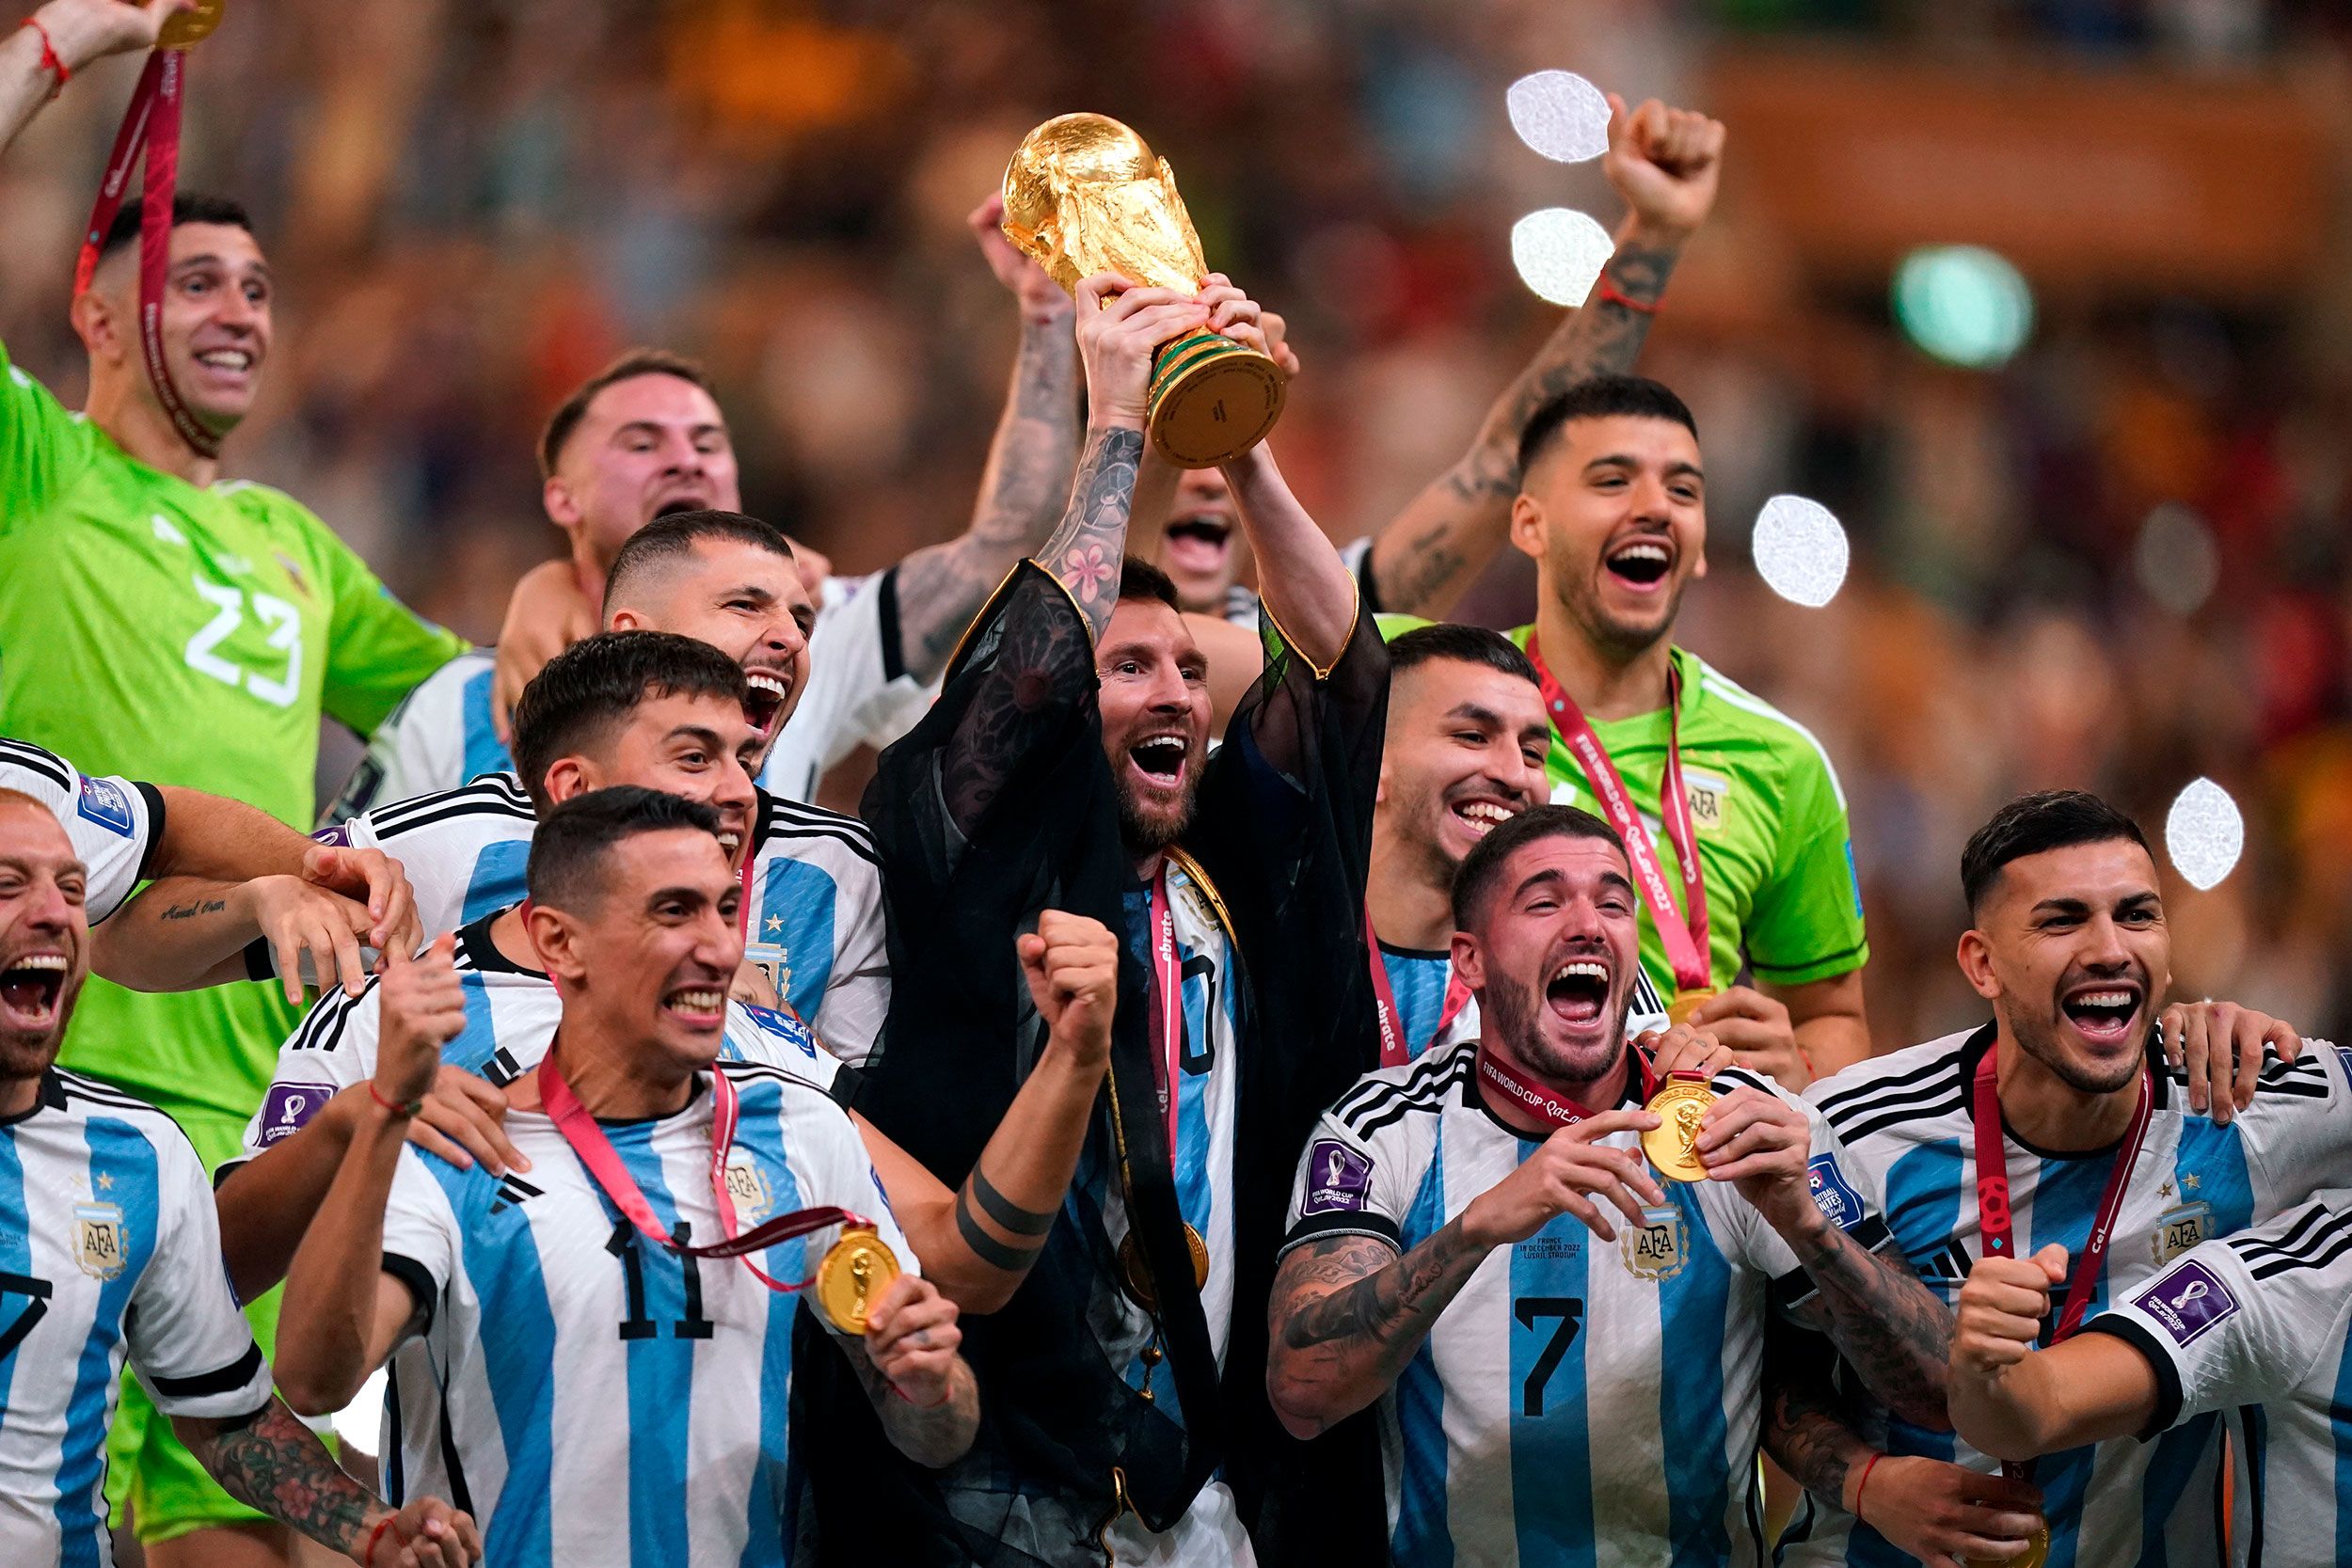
[[513, 1190]]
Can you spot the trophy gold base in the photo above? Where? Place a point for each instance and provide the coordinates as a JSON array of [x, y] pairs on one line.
[[1212, 400]]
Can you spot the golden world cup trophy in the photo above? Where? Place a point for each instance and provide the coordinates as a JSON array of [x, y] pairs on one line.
[[1084, 195]]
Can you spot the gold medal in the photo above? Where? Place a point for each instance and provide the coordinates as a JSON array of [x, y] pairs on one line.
[[855, 1271], [191, 27], [1139, 1273], [2037, 1552], [1679, 1011], [1678, 1107]]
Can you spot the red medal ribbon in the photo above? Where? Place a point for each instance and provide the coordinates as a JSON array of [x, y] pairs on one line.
[[1684, 938], [605, 1167], [150, 125], [1394, 1052], [1167, 1015], [1499, 1066], [1992, 1207]]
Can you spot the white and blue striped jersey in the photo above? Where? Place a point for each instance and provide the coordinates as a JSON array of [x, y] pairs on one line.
[[858, 691], [1581, 1401], [815, 925], [1204, 1091], [114, 824], [590, 1397], [511, 1015], [1419, 978], [1909, 1119], [439, 736], [109, 1246], [2258, 1327]]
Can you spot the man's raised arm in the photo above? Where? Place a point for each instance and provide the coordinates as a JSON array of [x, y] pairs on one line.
[[1665, 163], [62, 37], [941, 587]]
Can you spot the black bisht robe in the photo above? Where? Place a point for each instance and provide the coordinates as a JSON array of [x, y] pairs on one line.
[[1013, 752]]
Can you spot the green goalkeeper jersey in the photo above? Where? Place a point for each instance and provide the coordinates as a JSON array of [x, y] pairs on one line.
[[189, 637]]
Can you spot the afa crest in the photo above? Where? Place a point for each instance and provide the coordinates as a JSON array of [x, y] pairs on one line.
[[101, 1241], [2180, 1229], [1657, 1247], [1704, 793], [774, 960], [747, 1184]]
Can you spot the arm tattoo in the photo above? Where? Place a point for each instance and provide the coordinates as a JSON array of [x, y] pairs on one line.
[[272, 1462], [189, 910], [1889, 1326], [1806, 1431], [1351, 1313], [1006, 1212], [1029, 461], [1086, 550]]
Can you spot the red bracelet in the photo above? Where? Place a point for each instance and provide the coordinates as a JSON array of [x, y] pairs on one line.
[[367, 1558], [933, 1406], [1612, 295], [1863, 1482], [49, 60], [410, 1109]]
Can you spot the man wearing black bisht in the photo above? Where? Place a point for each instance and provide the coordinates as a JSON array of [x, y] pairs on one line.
[[1066, 766]]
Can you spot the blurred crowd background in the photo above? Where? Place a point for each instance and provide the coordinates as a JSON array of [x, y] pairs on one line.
[[2117, 560]]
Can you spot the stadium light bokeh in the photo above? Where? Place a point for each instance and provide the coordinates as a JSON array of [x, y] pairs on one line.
[[1964, 305]]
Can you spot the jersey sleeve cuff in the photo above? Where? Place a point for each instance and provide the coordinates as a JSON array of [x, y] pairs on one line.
[[2152, 1350], [1794, 1289], [423, 1287], [155, 814], [1829, 966], [894, 653], [225, 1391], [1346, 1222]]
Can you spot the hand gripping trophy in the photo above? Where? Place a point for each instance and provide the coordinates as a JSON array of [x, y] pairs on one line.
[[1084, 195]]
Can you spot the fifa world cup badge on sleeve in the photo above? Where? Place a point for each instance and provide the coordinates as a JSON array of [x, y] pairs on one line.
[[2187, 1302], [288, 1108], [1338, 1179], [102, 800]]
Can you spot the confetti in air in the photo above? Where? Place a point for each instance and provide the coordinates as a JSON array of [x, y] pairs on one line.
[[1800, 550], [1560, 115], [2204, 833], [1559, 252]]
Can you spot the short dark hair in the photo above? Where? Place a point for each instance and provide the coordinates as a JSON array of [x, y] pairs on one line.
[[1483, 866], [2047, 819], [591, 687], [569, 848], [1450, 639], [668, 540], [1139, 579], [628, 367], [1601, 397], [186, 207]]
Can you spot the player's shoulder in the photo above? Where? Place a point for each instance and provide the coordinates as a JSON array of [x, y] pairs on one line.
[[446, 685], [275, 507], [1903, 1094], [2312, 1235], [1393, 1096], [492, 797], [36, 770], [2310, 1086], [800, 831], [1731, 710], [795, 1098], [83, 1099]]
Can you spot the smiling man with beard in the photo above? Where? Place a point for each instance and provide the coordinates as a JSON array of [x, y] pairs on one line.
[[1564, 1346], [2067, 1101], [1464, 754], [1746, 864]]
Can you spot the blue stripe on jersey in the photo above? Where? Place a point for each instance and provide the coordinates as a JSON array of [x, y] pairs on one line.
[[122, 1172], [484, 751], [478, 1041], [660, 1372], [497, 879], [16, 1259], [1422, 1538], [796, 913], [1551, 1456], [1419, 980], [773, 1492], [501, 1261], [2340, 1429], [2178, 1453], [1695, 1318], [2065, 1200], [2210, 1169]]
